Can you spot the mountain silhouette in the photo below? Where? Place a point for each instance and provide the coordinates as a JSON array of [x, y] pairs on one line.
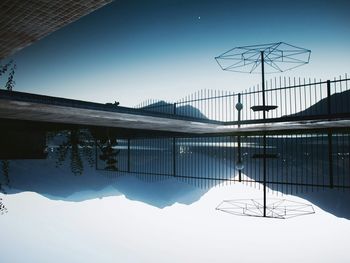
[[165, 107], [339, 104]]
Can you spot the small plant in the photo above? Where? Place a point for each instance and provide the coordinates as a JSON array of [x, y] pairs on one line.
[[78, 146], [10, 84], [4, 68]]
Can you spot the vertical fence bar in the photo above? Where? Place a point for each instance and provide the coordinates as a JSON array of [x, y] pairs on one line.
[[330, 142], [128, 155], [264, 137], [174, 156], [174, 145], [329, 109], [239, 108], [96, 159], [330, 159]]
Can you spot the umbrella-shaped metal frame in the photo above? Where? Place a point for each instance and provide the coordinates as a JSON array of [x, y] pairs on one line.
[[277, 57]]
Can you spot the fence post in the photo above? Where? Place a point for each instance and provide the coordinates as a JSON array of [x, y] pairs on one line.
[[96, 159], [330, 139], [330, 159], [329, 98], [239, 108], [128, 155], [264, 137], [174, 146], [174, 156]]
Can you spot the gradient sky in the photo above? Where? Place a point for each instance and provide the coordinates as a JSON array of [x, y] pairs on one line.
[[130, 51]]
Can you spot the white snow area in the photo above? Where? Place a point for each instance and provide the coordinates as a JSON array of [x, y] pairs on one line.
[[118, 229]]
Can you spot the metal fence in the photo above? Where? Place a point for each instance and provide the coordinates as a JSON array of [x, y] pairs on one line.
[[293, 99], [298, 161]]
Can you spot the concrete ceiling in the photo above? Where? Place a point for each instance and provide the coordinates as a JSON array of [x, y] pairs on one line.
[[23, 22]]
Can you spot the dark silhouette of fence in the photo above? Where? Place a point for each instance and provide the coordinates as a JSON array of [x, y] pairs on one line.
[[295, 99]]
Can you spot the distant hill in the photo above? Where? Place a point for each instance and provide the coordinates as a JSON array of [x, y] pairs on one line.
[[164, 107], [160, 106], [340, 103]]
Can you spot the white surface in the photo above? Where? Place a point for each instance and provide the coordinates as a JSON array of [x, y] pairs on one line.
[[115, 229]]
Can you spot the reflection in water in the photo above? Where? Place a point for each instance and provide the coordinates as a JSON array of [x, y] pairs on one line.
[[78, 145], [5, 173], [5, 182], [163, 165], [107, 144], [3, 208]]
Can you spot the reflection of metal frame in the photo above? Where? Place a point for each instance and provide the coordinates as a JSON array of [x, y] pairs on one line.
[[276, 208]]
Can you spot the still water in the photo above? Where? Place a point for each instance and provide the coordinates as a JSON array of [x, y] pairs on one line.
[[73, 194]]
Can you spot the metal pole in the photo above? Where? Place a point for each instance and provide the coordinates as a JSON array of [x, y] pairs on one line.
[[174, 156], [239, 158], [329, 109], [96, 166], [174, 146], [330, 159], [330, 140], [264, 137], [263, 83], [239, 141], [128, 155]]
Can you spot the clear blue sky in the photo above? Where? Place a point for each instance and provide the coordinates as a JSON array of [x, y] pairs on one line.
[[133, 50]]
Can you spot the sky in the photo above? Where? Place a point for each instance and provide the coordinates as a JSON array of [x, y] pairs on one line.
[[130, 51], [103, 217]]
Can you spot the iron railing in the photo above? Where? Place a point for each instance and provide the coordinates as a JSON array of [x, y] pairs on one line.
[[294, 99]]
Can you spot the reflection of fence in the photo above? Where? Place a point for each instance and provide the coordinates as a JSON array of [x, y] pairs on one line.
[[295, 162], [294, 98]]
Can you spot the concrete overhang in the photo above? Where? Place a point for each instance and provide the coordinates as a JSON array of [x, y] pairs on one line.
[[23, 22]]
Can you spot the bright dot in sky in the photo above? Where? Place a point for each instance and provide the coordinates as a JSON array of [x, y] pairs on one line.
[[199, 17]]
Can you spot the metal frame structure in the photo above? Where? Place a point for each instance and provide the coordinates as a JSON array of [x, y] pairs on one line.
[[273, 58], [280, 57]]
